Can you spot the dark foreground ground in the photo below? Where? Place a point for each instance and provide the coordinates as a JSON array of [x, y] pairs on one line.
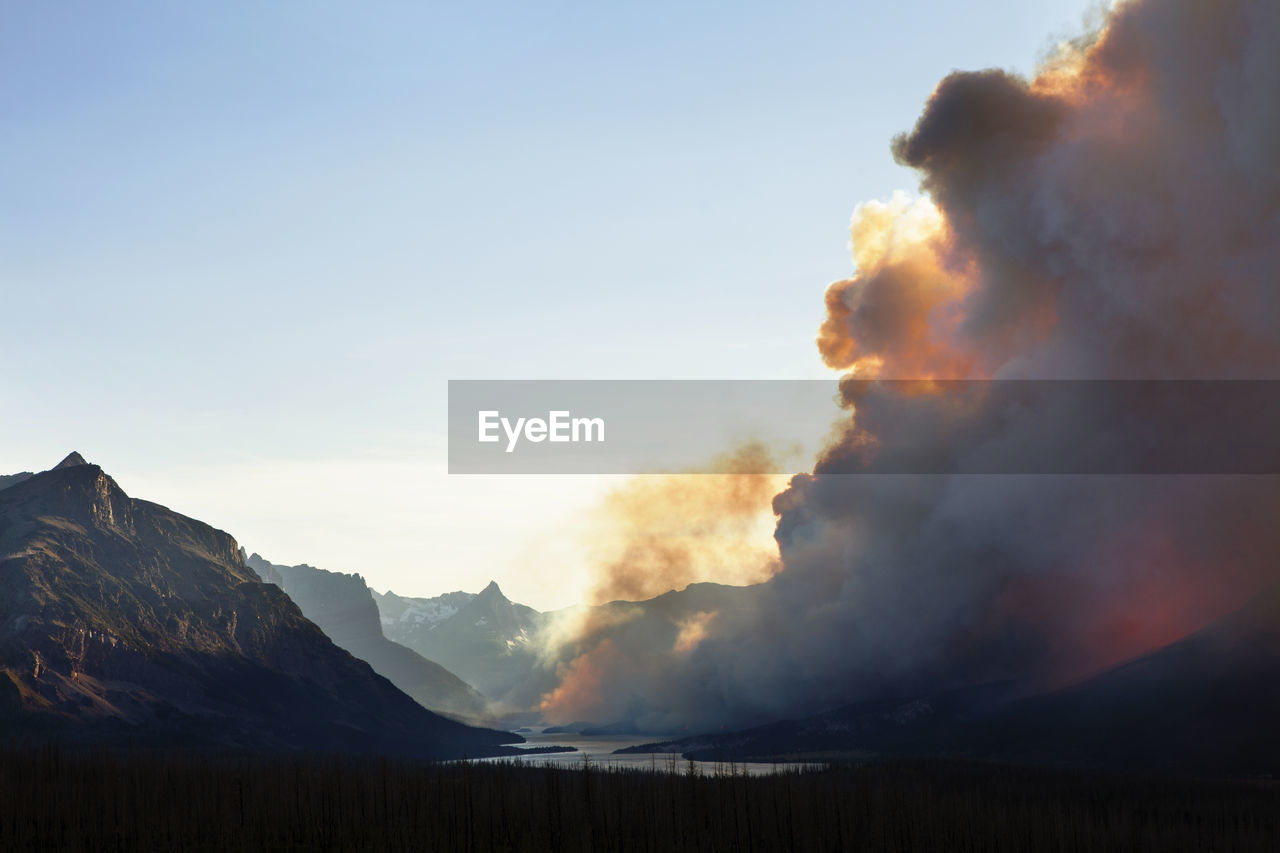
[[56, 801]]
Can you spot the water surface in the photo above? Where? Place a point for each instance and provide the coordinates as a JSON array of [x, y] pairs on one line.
[[598, 751]]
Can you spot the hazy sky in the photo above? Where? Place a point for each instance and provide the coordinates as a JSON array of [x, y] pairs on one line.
[[243, 246]]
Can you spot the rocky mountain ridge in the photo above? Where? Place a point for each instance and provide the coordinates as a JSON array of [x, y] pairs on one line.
[[123, 622], [486, 638], [343, 607]]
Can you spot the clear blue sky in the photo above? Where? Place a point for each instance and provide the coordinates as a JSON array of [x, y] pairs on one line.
[[244, 245]]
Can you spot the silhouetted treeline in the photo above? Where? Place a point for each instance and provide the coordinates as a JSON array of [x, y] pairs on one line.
[[59, 801]]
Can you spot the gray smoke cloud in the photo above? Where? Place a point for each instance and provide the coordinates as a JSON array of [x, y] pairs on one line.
[[1115, 217]]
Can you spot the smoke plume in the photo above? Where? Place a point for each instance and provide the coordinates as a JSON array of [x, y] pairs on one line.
[[665, 531], [1117, 216]]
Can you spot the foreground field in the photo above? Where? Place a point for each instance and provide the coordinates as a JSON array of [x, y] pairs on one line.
[[57, 801]]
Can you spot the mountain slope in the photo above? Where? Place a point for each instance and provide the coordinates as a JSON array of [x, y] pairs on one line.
[[122, 622], [1207, 703], [485, 638], [7, 480], [343, 607], [517, 655]]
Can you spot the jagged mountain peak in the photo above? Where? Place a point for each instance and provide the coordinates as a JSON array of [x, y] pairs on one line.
[[484, 637], [344, 607], [83, 492], [125, 622], [73, 460]]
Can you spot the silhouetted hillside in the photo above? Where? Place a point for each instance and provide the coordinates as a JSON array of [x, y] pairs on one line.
[[7, 480], [342, 605], [1205, 704], [122, 622]]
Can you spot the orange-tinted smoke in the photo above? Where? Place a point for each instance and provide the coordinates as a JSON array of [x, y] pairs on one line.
[[1110, 217], [906, 311], [897, 315], [662, 532], [693, 630], [581, 693]]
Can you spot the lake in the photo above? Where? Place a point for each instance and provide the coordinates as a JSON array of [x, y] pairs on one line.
[[598, 749]]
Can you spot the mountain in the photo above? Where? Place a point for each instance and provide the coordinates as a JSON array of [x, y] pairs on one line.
[[484, 637], [1205, 704], [515, 654], [263, 569], [7, 480], [123, 622], [343, 607], [419, 611]]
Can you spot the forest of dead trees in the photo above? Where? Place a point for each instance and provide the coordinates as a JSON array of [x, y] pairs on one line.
[[51, 800]]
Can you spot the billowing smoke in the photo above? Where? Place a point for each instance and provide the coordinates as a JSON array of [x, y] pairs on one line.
[[1116, 217], [653, 535], [665, 531]]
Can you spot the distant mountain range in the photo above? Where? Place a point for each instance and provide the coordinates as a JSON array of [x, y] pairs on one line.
[[515, 655], [343, 607], [123, 622], [509, 651], [484, 637]]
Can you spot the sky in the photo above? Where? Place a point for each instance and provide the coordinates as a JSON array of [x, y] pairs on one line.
[[243, 246]]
